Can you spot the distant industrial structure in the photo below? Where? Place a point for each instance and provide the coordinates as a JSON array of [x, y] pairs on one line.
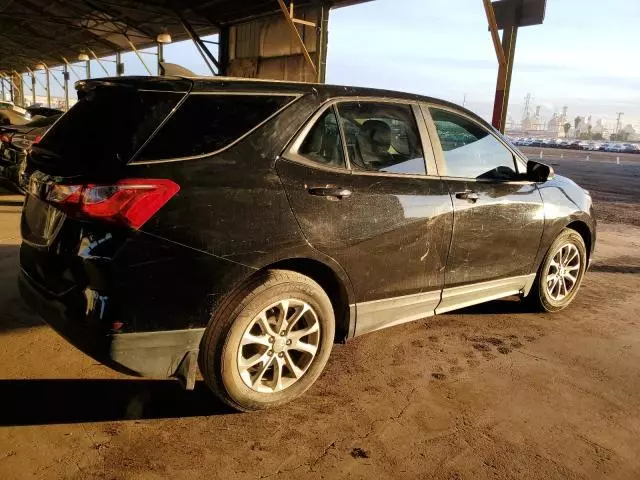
[[560, 125]]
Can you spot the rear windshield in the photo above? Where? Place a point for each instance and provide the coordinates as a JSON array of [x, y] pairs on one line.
[[105, 128], [207, 123]]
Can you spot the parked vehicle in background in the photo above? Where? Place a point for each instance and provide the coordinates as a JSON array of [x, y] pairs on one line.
[[604, 147], [15, 143], [6, 105], [40, 111], [10, 117], [629, 148], [247, 225]]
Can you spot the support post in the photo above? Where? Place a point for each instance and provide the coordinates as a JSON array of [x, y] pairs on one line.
[[322, 40], [119, 64], [48, 87], [65, 76], [71, 68], [33, 87], [160, 56], [17, 89], [2, 83], [223, 50], [503, 84], [88, 66]]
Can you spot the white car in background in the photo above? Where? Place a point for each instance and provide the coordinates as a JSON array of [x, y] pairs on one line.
[[6, 105]]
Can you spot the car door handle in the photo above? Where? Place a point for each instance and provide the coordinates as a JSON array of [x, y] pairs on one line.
[[336, 192], [467, 195]]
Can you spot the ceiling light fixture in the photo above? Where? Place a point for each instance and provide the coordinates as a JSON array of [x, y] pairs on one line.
[[164, 37]]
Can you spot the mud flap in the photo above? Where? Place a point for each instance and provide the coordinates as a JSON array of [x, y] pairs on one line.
[[186, 372]]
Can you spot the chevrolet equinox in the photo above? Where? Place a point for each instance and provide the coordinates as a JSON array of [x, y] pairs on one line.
[[244, 226]]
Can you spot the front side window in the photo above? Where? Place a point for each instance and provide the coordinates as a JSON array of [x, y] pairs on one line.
[[382, 137], [322, 144], [470, 151]]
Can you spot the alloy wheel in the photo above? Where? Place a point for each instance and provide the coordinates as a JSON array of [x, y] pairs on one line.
[[278, 346], [563, 271]]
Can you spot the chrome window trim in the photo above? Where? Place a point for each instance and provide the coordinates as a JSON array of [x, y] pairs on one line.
[[291, 151], [133, 160]]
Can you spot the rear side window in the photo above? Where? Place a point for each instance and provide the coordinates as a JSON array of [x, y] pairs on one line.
[[323, 144], [207, 123], [105, 128], [382, 137]]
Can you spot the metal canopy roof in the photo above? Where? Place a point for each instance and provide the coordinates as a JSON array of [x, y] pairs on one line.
[[36, 31]]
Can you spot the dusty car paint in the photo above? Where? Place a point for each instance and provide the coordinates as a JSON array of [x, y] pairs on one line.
[[397, 244]]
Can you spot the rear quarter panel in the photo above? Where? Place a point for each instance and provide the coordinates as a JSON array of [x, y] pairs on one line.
[[230, 218]]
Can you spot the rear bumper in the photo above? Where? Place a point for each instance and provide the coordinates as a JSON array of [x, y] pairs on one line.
[[149, 354]]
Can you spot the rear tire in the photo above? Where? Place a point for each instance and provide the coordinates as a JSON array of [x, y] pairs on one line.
[[560, 274], [268, 342]]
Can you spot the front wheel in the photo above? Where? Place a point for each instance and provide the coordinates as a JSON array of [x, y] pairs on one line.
[[561, 272], [269, 342]]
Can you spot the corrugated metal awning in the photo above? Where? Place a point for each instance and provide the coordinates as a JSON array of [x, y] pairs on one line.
[[36, 31]]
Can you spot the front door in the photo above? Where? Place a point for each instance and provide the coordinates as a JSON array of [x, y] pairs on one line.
[[376, 212], [498, 215]]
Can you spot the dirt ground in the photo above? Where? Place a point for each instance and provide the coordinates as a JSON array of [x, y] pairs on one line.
[[493, 391]]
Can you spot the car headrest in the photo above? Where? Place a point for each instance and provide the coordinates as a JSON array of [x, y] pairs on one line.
[[377, 134]]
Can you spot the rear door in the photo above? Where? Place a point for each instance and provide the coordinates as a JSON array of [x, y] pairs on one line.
[[498, 214], [363, 194]]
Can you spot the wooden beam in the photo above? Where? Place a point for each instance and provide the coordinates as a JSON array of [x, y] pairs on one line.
[[303, 22], [292, 26], [495, 36]]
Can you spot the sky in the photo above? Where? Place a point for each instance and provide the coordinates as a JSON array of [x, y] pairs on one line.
[[586, 55]]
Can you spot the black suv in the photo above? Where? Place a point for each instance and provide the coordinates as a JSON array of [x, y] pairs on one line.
[[247, 225]]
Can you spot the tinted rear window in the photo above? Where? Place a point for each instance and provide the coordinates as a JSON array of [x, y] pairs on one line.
[[207, 123], [105, 128]]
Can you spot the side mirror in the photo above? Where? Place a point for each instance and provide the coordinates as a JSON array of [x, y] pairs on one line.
[[539, 172]]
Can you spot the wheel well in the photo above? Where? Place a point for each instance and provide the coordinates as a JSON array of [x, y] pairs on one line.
[[584, 232], [330, 283]]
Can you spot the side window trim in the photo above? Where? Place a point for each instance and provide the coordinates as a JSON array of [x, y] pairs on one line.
[[427, 149], [434, 140], [343, 137], [134, 159], [291, 151], [439, 152]]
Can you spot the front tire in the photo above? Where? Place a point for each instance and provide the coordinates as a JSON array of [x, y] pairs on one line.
[[268, 342], [561, 273]]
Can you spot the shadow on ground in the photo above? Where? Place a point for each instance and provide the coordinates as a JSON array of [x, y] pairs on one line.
[[44, 402], [615, 268], [496, 307]]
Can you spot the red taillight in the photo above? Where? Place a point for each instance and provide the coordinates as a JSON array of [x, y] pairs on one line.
[[36, 140], [129, 202]]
